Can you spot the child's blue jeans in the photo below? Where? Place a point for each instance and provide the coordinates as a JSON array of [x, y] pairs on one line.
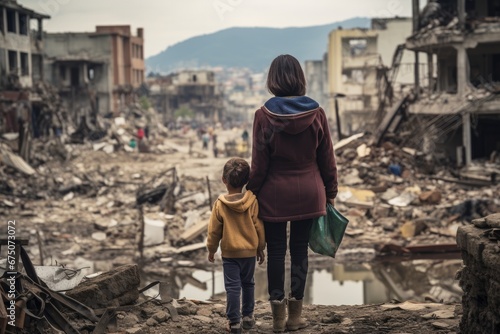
[[238, 278]]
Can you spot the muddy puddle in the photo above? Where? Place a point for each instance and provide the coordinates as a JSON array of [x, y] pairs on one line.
[[334, 283]]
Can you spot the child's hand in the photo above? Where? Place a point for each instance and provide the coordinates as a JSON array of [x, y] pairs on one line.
[[260, 256], [211, 257]]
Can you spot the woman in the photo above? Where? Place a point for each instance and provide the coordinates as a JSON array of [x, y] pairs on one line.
[[293, 174]]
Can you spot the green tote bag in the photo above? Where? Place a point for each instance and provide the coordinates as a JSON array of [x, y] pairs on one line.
[[327, 232]]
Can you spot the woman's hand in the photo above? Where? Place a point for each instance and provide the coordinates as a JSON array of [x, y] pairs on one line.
[[260, 256], [331, 201]]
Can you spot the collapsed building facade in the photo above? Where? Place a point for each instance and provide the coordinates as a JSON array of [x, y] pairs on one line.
[[191, 94], [20, 62], [96, 71], [358, 70], [458, 110], [21, 51]]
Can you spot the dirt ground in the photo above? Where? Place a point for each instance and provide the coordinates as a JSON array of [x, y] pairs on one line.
[[67, 223], [417, 319]]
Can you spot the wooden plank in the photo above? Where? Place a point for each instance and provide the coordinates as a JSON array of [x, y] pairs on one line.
[[440, 248], [191, 233]]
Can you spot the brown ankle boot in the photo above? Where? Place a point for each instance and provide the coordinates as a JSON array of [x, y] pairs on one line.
[[295, 320], [278, 309]]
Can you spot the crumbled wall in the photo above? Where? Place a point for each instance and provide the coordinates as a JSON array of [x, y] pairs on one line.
[[480, 278]]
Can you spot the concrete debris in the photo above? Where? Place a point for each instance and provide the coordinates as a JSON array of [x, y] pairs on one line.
[[154, 232], [491, 221], [90, 199], [114, 288], [12, 160]]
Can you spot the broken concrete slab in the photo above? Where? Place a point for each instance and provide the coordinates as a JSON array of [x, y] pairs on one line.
[[114, 288], [491, 221], [356, 197], [403, 200]]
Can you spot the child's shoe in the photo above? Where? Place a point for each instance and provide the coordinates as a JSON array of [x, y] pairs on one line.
[[248, 322]]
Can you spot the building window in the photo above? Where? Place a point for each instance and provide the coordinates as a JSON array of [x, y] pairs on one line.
[[75, 76], [91, 73], [25, 66], [23, 24], [2, 27], [11, 21], [62, 72], [13, 61]]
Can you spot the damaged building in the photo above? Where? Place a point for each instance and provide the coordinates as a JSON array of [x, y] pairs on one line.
[[21, 50], [317, 79], [96, 71], [360, 63], [193, 94], [458, 111]]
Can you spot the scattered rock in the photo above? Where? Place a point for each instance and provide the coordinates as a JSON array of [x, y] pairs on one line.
[[151, 322], [430, 197], [204, 311], [203, 318], [161, 316]]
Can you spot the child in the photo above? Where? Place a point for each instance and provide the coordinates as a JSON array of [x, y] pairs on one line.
[[234, 223]]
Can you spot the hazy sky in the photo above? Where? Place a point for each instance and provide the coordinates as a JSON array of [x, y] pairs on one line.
[[167, 22]]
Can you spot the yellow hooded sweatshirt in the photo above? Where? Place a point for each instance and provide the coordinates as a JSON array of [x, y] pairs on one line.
[[235, 224]]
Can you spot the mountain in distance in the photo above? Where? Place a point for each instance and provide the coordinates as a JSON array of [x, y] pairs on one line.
[[253, 48]]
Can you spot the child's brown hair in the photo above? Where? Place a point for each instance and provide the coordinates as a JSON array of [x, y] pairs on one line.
[[236, 172]]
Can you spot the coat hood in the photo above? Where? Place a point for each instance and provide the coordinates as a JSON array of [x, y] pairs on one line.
[[291, 114], [238, 202]]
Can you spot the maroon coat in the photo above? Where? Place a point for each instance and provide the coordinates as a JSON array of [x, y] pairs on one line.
[[293, 168]]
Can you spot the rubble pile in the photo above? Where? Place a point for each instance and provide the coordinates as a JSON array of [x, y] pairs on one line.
[[98, 209], [394, 195]]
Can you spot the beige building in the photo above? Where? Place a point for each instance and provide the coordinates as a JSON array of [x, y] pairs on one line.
[[359, 62]]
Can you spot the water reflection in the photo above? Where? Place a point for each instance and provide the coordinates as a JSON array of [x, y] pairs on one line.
[[337, 284]]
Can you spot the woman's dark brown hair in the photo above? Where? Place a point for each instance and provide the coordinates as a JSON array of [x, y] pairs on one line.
[[285, 77], [236, 172]]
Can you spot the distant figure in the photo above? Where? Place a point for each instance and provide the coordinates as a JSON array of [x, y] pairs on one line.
[[146, 131], [140, 134], [214, 139], [245, 136], [56, 125], [190, 146], [205, 139]]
